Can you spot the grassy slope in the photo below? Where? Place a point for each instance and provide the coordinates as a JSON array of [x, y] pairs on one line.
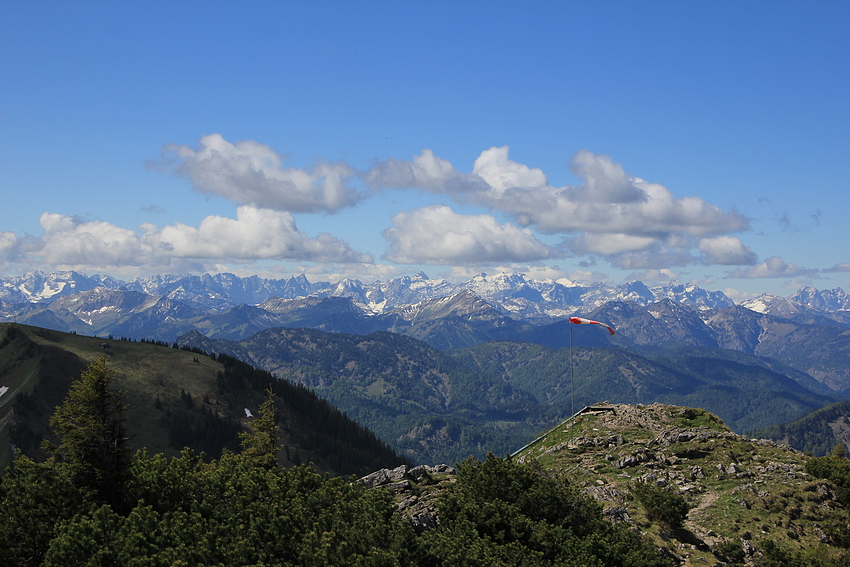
[[29, 368], [145, 371]]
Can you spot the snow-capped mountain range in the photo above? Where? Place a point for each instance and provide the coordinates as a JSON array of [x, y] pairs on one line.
[[807, 330], [535, 301], [513, 292]]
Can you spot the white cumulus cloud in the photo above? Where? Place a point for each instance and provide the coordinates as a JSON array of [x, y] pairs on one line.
[[426, 172], [773, 267], [69, 241], [609, 244], [438, 235], [726, 250], [842, 267], [253, 234], [251, 173], [502, 173], [657, 257], [657, 214], [605, 180]]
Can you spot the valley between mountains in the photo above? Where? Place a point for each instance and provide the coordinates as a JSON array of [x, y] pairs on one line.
[[440, 371]]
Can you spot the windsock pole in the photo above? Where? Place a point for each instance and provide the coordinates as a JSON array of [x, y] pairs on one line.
[[572, 376], [579, 321]]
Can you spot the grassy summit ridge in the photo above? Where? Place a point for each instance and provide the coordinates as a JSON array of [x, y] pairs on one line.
[[747, 498]]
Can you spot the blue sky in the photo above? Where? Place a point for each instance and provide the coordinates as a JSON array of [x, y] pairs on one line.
[[605, 141]]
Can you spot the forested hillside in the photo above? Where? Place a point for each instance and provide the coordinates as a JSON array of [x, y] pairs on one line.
[[176, 398], [817, 432]]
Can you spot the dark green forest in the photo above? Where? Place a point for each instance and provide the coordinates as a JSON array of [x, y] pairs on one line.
[[93, 503], [816, 432], [322, 427]]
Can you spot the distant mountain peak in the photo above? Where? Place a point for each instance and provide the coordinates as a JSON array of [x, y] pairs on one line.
[[825, 299]]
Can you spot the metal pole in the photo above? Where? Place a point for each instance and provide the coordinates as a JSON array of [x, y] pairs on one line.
[[572, 375]]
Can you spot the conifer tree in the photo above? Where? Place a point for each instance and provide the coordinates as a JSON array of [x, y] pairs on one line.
[[260, 445], [93, 445]]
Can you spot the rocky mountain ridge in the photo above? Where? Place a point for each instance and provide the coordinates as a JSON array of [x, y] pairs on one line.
[[515, 293], [535, 301]]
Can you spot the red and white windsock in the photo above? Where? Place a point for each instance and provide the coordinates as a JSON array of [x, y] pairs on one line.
[[583, 321]]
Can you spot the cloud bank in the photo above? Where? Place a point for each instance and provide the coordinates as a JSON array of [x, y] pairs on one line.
[[773, 267], [255, 234], [610, 215], [251, 173], [629, 221]]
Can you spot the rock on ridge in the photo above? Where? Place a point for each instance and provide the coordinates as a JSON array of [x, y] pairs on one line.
[[419, 508]]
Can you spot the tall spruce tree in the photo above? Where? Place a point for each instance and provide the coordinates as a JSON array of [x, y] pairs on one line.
[[261, 444], [92, 446]]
